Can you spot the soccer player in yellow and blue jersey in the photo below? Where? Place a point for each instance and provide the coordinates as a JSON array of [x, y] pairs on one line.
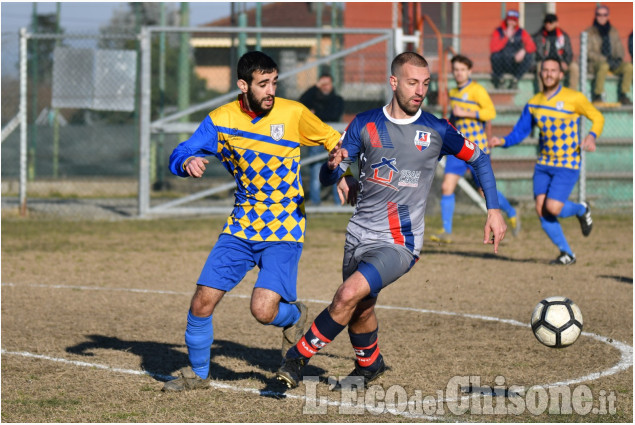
[[257, 138], [556, 112], [471, 109]]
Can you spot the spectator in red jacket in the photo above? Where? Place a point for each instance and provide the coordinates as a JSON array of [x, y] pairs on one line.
[[512, 50]]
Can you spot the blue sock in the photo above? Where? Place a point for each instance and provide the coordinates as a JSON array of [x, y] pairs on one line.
[[505, 205], [287, 315], [447, 212], [553, 229], [199, 335], [571, 208]]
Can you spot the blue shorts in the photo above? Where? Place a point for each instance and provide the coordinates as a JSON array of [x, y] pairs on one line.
[[453, 165], [232, 257], [555, 182]]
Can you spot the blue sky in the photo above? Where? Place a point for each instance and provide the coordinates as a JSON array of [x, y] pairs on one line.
[[84, 17], [77, 16]]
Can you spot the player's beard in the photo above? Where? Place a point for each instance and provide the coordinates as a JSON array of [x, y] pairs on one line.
[[406, 106], [256, 104], [556, 82]]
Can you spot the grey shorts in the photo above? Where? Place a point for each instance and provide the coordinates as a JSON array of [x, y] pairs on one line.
[[381, 263]]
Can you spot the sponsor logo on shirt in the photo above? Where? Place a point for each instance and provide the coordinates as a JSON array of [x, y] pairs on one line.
[[277, 131], [409, 178], [422, 139]]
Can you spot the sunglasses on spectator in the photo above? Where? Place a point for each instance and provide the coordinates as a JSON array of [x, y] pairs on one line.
[[602, 14]]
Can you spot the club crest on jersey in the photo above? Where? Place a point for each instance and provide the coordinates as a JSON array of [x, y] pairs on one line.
[[560, 105], [422, 139], [277, 131]]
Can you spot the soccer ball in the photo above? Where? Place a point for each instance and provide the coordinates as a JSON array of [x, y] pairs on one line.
[[556, 322]]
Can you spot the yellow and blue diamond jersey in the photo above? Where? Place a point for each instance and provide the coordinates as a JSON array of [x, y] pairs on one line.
[[558, 119], [473, 97], [263, 154]]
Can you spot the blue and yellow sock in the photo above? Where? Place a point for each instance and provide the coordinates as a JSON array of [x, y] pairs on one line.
[[505, 205], [553, 229], [571, 208], [287, 315], [199, 335], [447, 212]]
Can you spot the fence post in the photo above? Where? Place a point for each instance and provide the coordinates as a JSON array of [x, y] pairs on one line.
[[585, 91], [144, 124], [23, 123]]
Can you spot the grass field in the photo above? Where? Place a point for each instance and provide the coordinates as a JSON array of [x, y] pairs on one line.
[[93, 316]]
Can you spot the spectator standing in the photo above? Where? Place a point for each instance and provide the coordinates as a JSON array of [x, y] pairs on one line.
[[328, 106], [552, 41], [512, 50], [606, 53]]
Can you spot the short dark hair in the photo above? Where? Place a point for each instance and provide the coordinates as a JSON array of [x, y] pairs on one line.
[[462, 59], [254, 61], [407, 57], [555, 59], [550, 17]]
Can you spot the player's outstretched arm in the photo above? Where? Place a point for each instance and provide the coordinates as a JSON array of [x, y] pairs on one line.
[[495, 228]]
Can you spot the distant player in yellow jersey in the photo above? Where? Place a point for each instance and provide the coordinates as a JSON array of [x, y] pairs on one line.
[[556, 112], [471, 109], [257, 138]]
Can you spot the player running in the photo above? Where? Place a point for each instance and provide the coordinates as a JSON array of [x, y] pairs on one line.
[[398, 147], [556, 111], [257, 138], [471, 108]]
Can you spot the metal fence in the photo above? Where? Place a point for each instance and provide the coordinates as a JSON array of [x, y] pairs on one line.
[[102, 112]]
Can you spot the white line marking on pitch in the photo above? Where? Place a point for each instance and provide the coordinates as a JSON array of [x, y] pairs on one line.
[[626, 351]]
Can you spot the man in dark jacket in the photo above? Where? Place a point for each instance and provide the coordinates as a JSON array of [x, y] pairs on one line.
[[328, 106], [512, 50], [606, 53], [552, 41]]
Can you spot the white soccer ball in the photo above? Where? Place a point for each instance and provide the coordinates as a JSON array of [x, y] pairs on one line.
[[556, 322]]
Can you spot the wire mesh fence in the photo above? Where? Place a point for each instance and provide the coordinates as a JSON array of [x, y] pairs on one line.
[[83, 112]]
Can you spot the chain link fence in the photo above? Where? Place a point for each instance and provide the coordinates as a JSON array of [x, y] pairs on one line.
[[84, 114]]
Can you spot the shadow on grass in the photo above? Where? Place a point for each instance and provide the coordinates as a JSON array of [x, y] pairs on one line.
[[161, 360], [620, 279], [484, 255]]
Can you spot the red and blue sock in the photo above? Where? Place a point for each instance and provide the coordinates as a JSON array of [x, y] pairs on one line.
[[323, 330], [366, 349]]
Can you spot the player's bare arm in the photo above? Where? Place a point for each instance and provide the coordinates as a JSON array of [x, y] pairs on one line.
[[495, 228], [195, 166]]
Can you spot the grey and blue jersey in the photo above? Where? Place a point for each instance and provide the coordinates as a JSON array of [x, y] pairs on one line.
[[397, 162]]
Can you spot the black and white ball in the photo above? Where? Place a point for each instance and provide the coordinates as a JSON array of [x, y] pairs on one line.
[[556, 322]]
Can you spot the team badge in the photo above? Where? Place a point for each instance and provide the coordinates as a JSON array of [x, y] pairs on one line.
[[277, 131], [422, 139], [464, 97], [560, 105]]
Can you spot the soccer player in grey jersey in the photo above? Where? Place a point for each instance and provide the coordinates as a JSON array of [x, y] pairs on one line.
[[398, 147]]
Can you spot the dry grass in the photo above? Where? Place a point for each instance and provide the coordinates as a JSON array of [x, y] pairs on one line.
[[68, 295]]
